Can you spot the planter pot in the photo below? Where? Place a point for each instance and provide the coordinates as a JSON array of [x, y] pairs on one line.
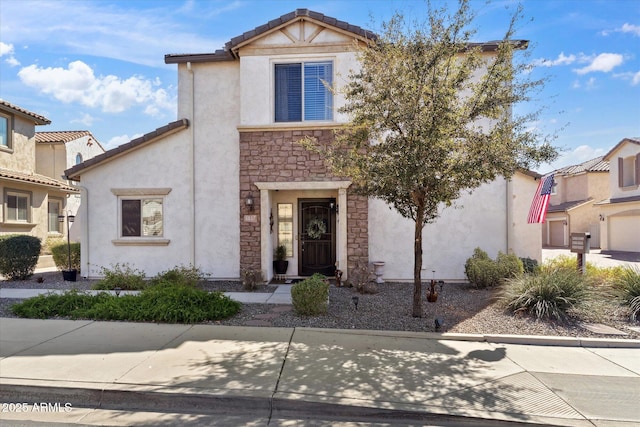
[[280, 267], [378, 270], [69, 275]]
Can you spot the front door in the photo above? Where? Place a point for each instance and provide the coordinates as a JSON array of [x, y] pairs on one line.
[[317, 242]]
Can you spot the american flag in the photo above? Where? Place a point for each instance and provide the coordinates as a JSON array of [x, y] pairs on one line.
[[538, 210]]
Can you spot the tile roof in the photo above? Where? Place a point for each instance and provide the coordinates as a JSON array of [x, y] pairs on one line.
[[619, 200], [594, 165], [37, 118], [64, 136], [74, 172], [567, 206], [229, 53], [36, 179]]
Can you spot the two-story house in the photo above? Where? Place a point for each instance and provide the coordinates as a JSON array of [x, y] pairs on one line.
[[571, 204], [229, 181], [31, 201], [620, 211], [57, 151]]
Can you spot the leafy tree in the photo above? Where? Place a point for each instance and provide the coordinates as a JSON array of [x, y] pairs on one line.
[[431, 117]]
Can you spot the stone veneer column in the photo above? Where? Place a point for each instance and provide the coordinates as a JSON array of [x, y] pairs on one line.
[[276, 156]]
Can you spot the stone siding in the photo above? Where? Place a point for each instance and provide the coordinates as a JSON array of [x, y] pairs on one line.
[[277, 156]]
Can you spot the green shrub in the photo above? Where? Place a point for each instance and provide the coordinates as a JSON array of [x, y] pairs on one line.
[[628, 286], [310, 296], [60, 253], [530, 265], [481, 270], [19, 256], [179, 275], [509, 265], [121, 276], [548, 294], [168, 303]]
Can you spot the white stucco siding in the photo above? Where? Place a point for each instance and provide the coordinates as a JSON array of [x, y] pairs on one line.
[[162, 164], [525, 240], [217, 186], [625, 151], [477, 220], [257, 83]]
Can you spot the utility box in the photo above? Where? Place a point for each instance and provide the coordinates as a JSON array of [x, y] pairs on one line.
[[580, 243]]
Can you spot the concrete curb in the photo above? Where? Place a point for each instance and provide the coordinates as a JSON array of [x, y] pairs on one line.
[[275, 407]]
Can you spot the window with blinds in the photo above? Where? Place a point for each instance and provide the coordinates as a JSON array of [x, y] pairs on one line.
[[301, 91], [141, 217]]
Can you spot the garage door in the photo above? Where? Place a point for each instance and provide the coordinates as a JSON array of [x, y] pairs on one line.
[[624, 233]]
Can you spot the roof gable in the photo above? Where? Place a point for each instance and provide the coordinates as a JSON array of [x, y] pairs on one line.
[[619, 145], [74, 172], [14, 109]]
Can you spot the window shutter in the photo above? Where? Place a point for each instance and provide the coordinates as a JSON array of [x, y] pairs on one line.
[[638, 169], [620, 172], [288, 92]]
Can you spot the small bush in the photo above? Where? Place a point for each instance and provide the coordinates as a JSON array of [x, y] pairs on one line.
[[121, 276], [179, 275], [60, 253], [628, 286], [19, 256], [251, 279], [310, 296], [509, 265], [530, 265], [549, 294], [481, 270], [168, 303]]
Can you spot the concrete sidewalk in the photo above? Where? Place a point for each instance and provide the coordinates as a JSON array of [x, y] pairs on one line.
[[118, 373]]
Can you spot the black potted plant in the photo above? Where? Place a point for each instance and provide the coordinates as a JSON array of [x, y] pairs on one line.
[[280, 264]]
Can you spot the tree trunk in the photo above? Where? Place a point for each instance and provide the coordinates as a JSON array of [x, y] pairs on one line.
[[417, 263]]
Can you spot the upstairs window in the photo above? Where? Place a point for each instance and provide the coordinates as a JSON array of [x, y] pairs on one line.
[[4, 132], [300, 91], [629, 171], [78, 158]]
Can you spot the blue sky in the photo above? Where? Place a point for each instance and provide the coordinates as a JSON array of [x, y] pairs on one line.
[[99, 65]]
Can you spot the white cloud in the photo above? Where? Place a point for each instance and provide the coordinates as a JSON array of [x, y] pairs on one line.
[[604, 62], [630, 28], [636, 79], [6, 49], [119, 140], [562, 59], [85, 119], [78, 84]]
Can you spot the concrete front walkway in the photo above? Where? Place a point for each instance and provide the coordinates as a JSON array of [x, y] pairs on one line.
[[119, 373]]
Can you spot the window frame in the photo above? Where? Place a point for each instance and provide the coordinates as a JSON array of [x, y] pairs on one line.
[[29, 207], [303, 97], [140, 194], [282, 220], [60, 204], [9, 132]]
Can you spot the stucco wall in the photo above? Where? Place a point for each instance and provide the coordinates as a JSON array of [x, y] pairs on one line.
[[626, 150], [477, 220], [162, 164], [525, 240], [22, 155]]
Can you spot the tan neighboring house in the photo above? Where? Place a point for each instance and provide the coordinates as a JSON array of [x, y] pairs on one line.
[[571, 205], [31, 201], [57, 151], [620, 211]]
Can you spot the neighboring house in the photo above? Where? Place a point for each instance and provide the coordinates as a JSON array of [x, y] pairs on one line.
[[221, 187], [571, 205], [57, 151], [620, 212], [31, 201]]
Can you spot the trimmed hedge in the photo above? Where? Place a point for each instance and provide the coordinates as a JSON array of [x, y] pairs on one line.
[[60, 254], [484, 272], [19, 256], [310, 296]]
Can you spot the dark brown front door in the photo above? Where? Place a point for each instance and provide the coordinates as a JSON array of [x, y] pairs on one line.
[[317, 237]]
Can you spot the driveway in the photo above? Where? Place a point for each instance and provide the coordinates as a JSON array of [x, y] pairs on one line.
[[598, 257]]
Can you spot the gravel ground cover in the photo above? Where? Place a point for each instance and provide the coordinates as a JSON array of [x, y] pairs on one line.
[[462, 307]]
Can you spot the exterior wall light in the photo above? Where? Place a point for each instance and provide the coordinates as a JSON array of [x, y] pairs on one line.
[[249, 202]]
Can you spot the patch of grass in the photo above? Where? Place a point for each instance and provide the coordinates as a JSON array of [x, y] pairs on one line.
[[550, 294], [164, 303]]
